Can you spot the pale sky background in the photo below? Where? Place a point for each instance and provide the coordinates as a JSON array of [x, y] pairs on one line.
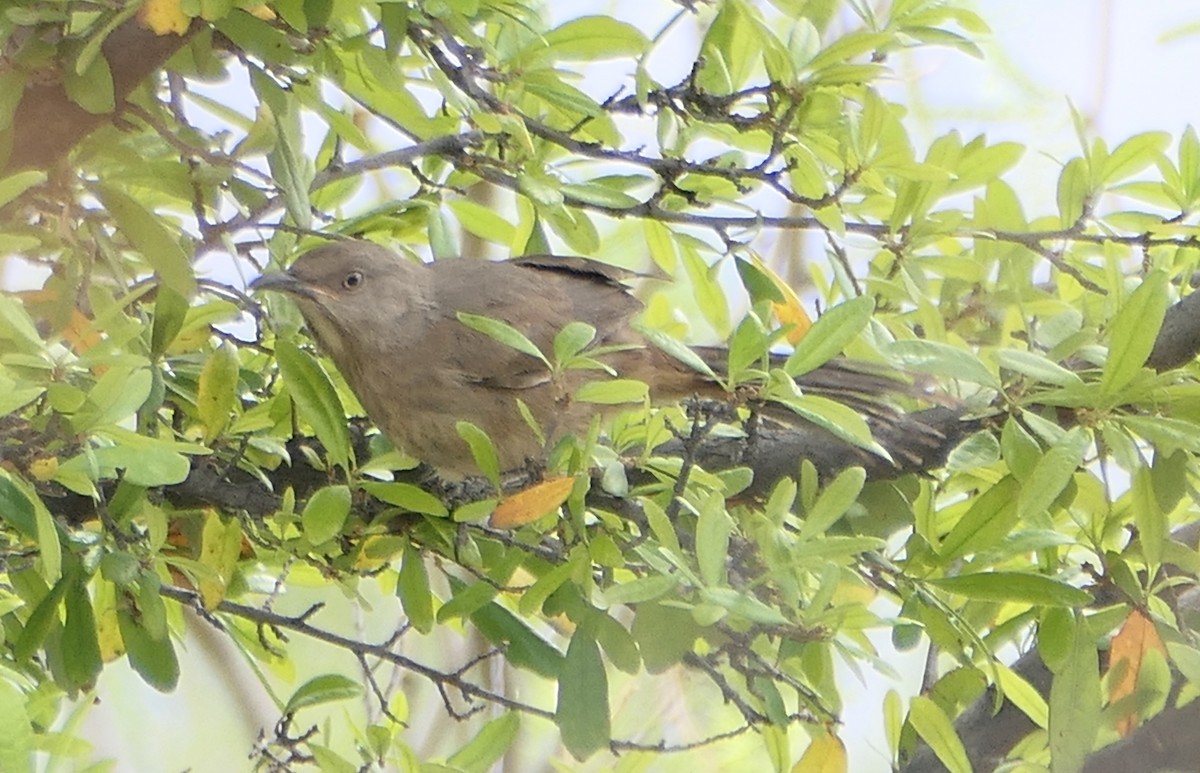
[[1107, 56]]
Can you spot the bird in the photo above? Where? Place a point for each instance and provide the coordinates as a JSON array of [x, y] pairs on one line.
[[394, 327]]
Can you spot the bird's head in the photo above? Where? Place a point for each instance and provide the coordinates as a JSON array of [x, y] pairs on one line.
[[348, 289]]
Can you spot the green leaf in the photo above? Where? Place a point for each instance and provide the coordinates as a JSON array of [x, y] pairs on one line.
[[14, 185], [582, 713], [442, 240], [15, 507], [326, 688], [412, 587], [145, 465], [329, 761], [116, 396], [614, 391], [1037, 367], [317, 13], [217, 390], [1133, 155], [981, 165], [661, 244], [17, 327], [170, 311], [572, 225], [1073, 192], [710, 295], [935, 728], [317, 400], [990, 518], [41, 620], [743, 605], [503, 333], [599, 195], [830, 334], [980, 449], [942, 360], [49, 545], [523, 648], [586, 39], [13, 398], [145, 231], [407, 496], [1075, 702], [325, 514], [640, 590], [488, 746], [257, 37], [840, 420], [664, 634], [12, 89], [81, 648], [713, 529], [1023, 695], [1050, 476], [535, 595], [617, 643], [151, 606], [91, 89], [677, 349], [483, 450], [482, 221], [16, 730], [1132, 333], [837, 498], [474, 511], [152, 657], [1020, 587], [571, 340], [1149, 516]]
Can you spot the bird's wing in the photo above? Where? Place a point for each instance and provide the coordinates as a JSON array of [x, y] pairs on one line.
[[537, 296]]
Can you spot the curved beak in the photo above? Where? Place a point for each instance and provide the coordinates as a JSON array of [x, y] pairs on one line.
[[280, 282]]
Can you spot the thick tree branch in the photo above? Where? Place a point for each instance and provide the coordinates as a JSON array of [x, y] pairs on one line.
[[47, 124]]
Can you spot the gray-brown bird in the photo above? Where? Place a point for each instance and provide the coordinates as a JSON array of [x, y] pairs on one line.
[[391, 325]]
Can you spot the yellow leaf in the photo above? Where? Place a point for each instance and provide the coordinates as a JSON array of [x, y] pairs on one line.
[[263, 12], [526, 506], [163, 17], [108, 634], [217, 390], [826, 754], [44, 469], [790, 311], [1136, 638], [221, 544]]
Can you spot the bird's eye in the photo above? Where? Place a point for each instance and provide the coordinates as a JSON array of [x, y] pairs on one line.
[[353, 280]]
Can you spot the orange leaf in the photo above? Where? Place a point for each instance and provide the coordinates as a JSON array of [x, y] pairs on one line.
[[794, 314], [80, 333], [78, 330], [532, 503], [163, 16], [1136, 638]]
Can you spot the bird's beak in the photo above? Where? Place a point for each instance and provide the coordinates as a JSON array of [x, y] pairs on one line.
[[280, 282]]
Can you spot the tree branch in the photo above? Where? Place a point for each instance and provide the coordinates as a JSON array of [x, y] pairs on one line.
[[47, 124]]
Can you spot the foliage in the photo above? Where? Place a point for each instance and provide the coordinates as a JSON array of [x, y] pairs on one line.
[[132, 381]]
